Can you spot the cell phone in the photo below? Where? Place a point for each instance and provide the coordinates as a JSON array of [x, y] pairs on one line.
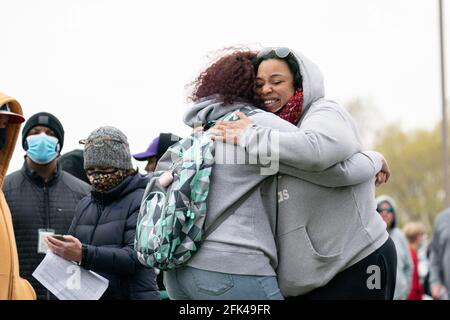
[[59, 237]]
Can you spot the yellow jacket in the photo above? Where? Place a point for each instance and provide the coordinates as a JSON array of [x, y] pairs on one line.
[[12, 286]]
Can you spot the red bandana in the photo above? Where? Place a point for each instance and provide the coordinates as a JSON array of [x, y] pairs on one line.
[[292, 110]]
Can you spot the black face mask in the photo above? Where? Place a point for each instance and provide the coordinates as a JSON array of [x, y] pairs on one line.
[[2, 137]]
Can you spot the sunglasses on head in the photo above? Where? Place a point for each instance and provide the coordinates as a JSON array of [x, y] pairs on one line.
[[390, 210], [280, 52]]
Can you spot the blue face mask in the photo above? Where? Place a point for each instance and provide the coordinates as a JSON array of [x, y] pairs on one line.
[[42, 149]]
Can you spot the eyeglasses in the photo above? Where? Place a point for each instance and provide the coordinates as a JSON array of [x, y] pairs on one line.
[[281, 52], [389, 210]]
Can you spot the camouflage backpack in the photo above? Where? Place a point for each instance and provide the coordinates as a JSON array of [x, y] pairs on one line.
[[170, 226]]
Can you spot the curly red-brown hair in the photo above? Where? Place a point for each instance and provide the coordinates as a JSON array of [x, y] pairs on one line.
[[231, 77]]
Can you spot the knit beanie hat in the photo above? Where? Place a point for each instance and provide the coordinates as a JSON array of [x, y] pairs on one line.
[[44, 119], [107, 147]]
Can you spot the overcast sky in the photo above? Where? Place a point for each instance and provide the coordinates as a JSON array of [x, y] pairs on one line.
[[126, 63]]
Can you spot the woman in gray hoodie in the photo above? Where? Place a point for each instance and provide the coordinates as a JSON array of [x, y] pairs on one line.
[[239, 258], [331, 242]]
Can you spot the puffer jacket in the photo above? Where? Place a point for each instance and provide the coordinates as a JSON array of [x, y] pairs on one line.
[[37, 205], [12, 286], [106, 224]]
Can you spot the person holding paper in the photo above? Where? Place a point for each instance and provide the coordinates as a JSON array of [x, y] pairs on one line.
[[101, 237]]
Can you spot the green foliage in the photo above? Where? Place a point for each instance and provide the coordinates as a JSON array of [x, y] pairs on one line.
[[416, 182]]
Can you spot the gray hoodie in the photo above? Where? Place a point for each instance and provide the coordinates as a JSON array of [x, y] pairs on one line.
[[440, 251], [321, 231], [244, 243]]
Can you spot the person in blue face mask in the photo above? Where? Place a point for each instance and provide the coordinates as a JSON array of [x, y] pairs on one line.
[[42, 148], [41, 196]]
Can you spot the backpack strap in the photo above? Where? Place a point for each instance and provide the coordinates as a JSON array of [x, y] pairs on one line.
[[247, 110]]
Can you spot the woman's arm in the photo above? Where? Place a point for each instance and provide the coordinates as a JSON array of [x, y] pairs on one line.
[[327, 136], [360, 168]]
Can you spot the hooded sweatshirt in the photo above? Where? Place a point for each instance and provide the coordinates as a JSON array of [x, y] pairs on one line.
[[440, 251], [403, 281], [12, 286], [244, 243], [321, 231]]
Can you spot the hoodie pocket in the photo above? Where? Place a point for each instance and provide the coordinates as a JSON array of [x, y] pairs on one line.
[[301, 268], [303, 234]]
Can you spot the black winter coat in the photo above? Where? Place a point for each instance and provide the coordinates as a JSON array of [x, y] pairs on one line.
[[106, 224], [35, 205]]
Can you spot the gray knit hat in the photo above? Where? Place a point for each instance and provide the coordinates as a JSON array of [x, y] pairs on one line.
[[107, 147]]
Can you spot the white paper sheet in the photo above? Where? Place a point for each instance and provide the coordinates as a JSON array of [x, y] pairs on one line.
[[68, 281]]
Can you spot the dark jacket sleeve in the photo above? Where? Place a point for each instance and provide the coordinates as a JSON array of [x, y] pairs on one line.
[[118, 261]]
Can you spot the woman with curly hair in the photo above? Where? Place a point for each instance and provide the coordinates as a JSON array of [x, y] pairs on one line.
[[332, 244], [239, 258]]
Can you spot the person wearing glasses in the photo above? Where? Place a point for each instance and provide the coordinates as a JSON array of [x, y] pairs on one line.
[[332, 244], [387, 208], [239, 259]]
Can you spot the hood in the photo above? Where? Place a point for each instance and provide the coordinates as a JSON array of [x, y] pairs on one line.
[[312, 81], [391, 201], [209, 109], [12, 133], [73, 163]]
